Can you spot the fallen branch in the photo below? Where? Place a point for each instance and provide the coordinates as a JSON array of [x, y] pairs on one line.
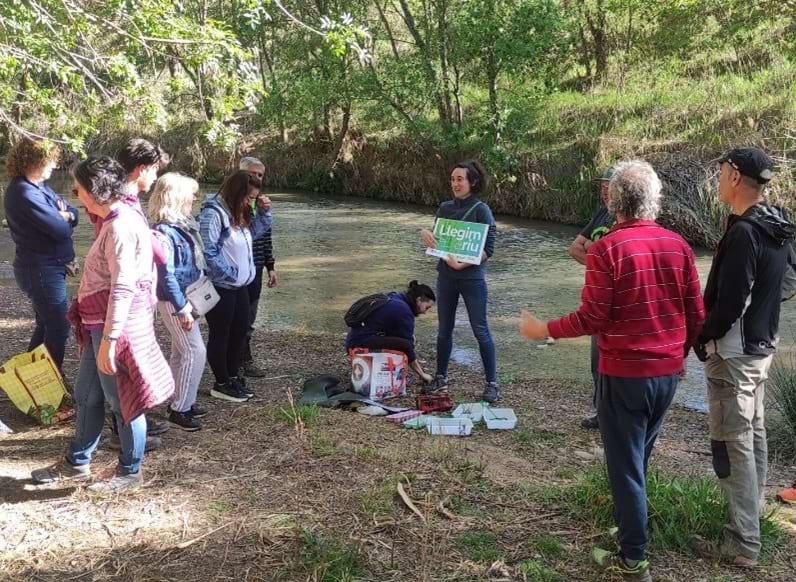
[[409, 503], [184, 545]]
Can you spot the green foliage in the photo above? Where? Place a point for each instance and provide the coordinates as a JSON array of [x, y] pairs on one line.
[[678, 508], [547, 545], [781, 396], [330, 560], [478, 546], [537, 572], [306, 414]]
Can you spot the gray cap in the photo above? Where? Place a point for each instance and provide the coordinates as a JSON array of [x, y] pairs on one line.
[[608, 173]]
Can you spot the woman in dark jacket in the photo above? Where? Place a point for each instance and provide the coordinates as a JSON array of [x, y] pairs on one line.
[[455, 279], [41, 224], [392, 326]]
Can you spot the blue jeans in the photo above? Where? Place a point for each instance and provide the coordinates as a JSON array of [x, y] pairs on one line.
[[474, 292], [631, 412], [46, 287], [92, 390]]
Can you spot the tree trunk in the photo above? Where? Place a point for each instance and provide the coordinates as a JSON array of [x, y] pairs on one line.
[[492, 76], [388, 30], [341, 137], [442, 30]]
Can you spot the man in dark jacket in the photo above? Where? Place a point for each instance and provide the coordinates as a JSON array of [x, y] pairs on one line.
[[738, 340]]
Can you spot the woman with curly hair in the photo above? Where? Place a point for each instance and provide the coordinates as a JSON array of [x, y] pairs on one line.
[[41, 224], [121, 362]]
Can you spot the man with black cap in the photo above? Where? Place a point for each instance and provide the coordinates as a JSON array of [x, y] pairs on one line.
[[738, 340], [598, 226]]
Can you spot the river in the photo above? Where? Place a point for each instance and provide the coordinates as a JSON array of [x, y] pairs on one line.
[[331, 250]]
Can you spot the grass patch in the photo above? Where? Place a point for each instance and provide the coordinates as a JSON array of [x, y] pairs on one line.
[[378, 501], [678, 508], [330, 561], [478, 546], [366, 453], [781, 393], [322, 446], [541, 437], [217, 506], [547, 545], [534, 571], [305, 414]]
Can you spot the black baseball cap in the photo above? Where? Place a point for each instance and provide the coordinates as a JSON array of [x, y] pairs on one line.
[[752, 162]]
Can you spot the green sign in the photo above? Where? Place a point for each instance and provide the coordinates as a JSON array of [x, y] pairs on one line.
[[463, 240]]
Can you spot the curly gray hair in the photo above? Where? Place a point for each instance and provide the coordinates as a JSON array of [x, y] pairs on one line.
[[250, 162], [635, 191]]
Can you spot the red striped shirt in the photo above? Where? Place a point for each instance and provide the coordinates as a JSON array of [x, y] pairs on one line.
[[641, 298]]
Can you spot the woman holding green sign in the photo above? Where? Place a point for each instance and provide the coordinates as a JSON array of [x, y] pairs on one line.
[[466, 279]]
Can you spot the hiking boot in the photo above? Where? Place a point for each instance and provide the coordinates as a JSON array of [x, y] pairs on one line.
[[251, 370], [63, 470], [198, 411], [118, 483], [152, 443], [241, 383], [614, 563], [228, 391], [184, 420], [491, 392], [590, 423], [155, 427], [714, 552], [438, 384]]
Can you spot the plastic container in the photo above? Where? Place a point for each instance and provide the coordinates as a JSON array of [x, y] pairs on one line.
[[472, 410], [500, 418], [450, 426], [417, 422]]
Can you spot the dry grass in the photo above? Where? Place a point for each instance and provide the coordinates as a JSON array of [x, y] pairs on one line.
[[255, 496]]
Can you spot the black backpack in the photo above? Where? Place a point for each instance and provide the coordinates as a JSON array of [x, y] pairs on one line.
[[362, 308]]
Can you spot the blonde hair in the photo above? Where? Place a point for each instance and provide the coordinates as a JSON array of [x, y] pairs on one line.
[[172, 193]]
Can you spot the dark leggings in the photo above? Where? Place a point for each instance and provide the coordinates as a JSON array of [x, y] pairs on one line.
[[383, 342], [227, 323]]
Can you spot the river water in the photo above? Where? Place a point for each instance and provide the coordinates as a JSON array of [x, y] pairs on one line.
[[331, 250]]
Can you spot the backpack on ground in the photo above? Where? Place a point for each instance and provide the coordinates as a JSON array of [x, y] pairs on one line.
[[363, 308]]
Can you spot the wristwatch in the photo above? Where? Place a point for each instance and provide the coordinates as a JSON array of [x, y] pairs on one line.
[[108, 338]]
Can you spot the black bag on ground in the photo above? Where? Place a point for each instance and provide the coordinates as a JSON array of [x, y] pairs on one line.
[[362, 308]]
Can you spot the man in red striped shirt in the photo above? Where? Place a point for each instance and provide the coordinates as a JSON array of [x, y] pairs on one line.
[[642, 299]]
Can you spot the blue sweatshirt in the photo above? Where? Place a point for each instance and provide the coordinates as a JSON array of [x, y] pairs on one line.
[[456, 209], [393, 319], [41, 235]]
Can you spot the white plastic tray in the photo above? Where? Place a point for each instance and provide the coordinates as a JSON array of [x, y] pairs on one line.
[[500, 418], [472, 410], [449, 426]]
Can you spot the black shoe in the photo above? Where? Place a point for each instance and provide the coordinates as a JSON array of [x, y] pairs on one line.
[[184, 420], [251, 370], [229, 391], [198, 411], [438, 384], [491, 392], [590, 422], [155, 427], [241, 383]]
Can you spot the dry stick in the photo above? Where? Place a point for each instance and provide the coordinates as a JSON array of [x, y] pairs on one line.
[[409, 502], [184, 545]]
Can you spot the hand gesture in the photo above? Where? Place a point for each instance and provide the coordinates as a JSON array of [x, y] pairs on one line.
[[531, 327], [106, 357], [454, 264], [186, 321], [427, 238], [62, 210], [272, 279], [264, 202]]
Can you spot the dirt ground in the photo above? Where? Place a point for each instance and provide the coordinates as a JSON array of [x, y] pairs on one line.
[[256, 495]]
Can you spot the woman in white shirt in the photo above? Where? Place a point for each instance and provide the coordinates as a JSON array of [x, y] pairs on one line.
[[227, 227]]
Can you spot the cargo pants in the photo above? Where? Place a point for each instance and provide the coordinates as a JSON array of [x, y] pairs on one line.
[[736, 394]]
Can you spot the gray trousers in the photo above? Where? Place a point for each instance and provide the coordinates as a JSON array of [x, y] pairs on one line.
[[736, 394]]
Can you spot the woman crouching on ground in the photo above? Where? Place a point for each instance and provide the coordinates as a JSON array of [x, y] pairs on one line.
[[121, 362], [170, 214], [392, 325], [456, 279], [228, 228]]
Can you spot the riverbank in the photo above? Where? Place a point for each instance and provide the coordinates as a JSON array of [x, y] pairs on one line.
[[263, 494]]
